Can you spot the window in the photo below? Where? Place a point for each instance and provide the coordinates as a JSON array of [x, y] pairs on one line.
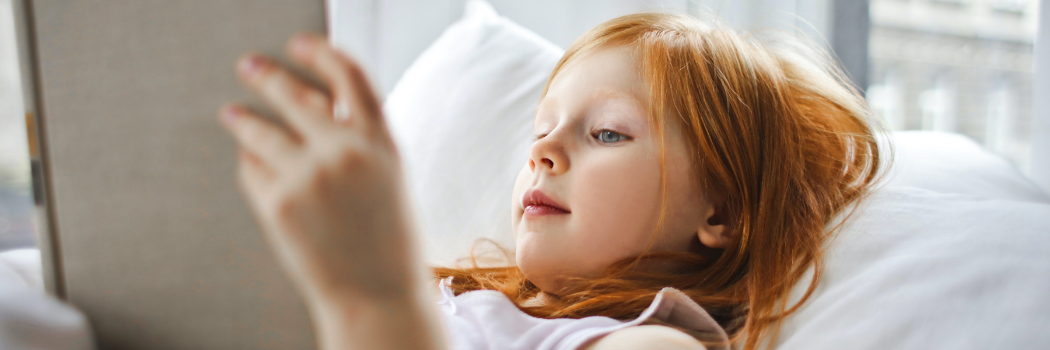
[[962, 66], [17, 212]]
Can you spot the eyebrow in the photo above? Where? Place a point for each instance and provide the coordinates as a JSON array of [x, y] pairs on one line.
[[609, 94], [602, 95]]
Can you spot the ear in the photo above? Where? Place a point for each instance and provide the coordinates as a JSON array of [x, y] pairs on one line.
[[714, 228]]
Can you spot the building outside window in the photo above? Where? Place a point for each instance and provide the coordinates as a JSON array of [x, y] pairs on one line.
[[962, 66]]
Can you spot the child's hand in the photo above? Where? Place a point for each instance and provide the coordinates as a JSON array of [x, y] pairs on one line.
[[327, 190]]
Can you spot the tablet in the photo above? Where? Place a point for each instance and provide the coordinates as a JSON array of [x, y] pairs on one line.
[[146, 231]]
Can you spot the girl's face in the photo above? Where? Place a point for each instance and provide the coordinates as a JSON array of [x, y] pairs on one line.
[[590, 192]]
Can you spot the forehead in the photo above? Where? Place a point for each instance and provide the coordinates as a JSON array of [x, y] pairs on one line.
[[604, 74]]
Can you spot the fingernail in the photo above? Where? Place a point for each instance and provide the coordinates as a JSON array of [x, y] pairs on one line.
[[230, 114], [252, 64], [302, 44]]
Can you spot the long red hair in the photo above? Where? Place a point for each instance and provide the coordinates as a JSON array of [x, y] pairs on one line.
[[778, 133]]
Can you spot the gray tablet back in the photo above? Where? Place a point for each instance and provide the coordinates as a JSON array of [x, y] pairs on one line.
[[148, 234]]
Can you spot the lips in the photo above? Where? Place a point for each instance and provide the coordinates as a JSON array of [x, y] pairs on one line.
[[537, 203]]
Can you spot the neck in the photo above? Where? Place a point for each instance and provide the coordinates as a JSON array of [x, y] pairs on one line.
[[543, 298]]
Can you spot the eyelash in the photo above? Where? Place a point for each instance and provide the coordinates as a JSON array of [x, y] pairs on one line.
[[596, 136]]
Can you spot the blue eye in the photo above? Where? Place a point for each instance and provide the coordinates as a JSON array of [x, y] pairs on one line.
[[609, 136]]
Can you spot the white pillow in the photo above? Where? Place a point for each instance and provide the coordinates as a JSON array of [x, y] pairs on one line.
[[30, 319], [952, 163], [917, 269], [23, 265], [462, 118]]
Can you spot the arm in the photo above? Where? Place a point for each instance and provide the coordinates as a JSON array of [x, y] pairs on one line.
[[645, 337], [328, 195]]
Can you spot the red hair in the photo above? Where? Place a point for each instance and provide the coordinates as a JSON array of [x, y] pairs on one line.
[[778, 134]]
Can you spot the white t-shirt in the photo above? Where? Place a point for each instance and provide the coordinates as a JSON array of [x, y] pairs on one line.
[[487, 319]]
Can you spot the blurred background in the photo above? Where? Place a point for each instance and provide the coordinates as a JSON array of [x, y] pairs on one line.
[[17, 210], [962, 66]]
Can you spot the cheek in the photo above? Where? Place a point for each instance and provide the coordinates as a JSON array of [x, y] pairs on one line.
[[621, 202], [520, 185], [685, 204]]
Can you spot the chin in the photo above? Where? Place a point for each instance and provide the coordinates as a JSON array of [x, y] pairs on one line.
[[539, 273]]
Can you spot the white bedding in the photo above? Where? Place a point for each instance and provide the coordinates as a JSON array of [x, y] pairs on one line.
[[953, 163], [923, 270], [30, 319]]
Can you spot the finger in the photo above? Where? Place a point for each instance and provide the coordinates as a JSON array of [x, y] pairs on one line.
[[352, 93], [253, 177], [270, 143], [305, 107]]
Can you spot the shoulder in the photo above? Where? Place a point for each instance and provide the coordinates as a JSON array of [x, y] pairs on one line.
[[645, 337]]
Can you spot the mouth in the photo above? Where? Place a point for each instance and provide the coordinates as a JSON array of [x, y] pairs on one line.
[[536, 203]]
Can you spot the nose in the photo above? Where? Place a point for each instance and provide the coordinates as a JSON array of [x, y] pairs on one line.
[[549, 153]]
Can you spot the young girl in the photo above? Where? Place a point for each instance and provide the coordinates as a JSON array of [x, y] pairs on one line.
[[668, 153]]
